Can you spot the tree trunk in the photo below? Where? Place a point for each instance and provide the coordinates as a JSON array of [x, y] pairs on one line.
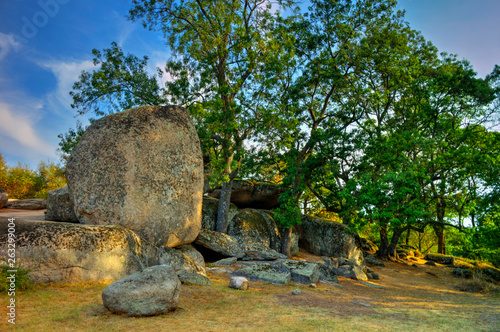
[[408, 237], [384, 242], [439, 230], [224, 204], [287, 242]]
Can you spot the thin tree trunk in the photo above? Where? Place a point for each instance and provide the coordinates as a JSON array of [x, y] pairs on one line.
[[408, 237], [439, 230], [287, 242], [384, 242], [223, 210]]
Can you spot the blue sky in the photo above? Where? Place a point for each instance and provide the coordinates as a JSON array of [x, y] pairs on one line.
[[45, 44]]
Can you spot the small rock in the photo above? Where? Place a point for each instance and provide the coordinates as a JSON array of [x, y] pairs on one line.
[[219, 269], [373, 275], [431, 263], [372, 285], [238, 283], [28, 204], [312, 285], [226, 261], [363, 304], [296, 291], [189, 278]]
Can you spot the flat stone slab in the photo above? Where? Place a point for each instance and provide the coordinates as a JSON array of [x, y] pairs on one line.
[[369, 284], [264, 272]]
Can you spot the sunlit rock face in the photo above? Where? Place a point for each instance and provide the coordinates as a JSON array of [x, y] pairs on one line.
[[143, 169], [65, 252]]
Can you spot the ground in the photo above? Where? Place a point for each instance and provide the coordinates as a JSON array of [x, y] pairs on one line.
[[416, 298]]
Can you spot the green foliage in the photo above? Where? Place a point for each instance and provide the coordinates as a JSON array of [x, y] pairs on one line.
[[21, 182], [22, 282]]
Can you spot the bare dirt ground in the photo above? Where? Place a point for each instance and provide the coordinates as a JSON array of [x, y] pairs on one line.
[[416, 297]]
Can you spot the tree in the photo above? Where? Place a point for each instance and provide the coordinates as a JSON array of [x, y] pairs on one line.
[[224, 46]]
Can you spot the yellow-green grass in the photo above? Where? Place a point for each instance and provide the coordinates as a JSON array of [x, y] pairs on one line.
[[413, 301]]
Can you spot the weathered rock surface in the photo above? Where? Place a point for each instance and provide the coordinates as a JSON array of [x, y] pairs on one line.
[[238, 283], [260, 252], [180, 261], [226, 261], [327, 238], [302, 272], [143, 169], [60, 207], [4, 198], [64, 252], [263, 272], [246, 194], [209, 213], [220, 243], [192, 253], [189, 278], [368, 246], [255, 226], [326, 274], [372, 260], [152, 291], [28, 204], [441, 259]]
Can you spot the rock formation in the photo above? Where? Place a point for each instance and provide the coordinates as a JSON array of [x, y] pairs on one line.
[[143, 169], [60, 207]]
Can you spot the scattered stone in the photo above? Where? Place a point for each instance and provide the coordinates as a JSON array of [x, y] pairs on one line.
[[60, 206], [312, 285], [263, 272], [373, 275], [4, 198], [462, 273], [65, 252], [372, 285], [143, 169], [361, 303], [247, 194], [372, 260], [441, 259], [332, 283], [152, 291], [431, 263], [226, 261], [220, 243], [302, 272], [432, 274], [353, 272], [189, 278], [296, 291], [238, 283], [27, 204], [221, 270], [326, 274]]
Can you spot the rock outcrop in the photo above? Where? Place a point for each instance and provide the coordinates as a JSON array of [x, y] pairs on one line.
[[209, 213], [327, 238], [441, 259], [60, 207], [218, 243], [247, 194], [64, 252], [152, 291], [180, 261], [143, 169], [28, 204]]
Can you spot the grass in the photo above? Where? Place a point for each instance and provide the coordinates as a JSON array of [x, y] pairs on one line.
[[413, 301]]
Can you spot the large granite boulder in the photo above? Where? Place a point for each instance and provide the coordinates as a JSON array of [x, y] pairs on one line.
[[302, 272], [209, 213], [28, 204], [212, 243], [263, 272], [143, 169], [327, 238], [60, 207], [65, 252], [255, 226], [152, 291], [4, 198], [247, 194], [440, 258]]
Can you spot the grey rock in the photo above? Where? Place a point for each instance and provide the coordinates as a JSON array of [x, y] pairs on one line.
[[441, 259], [372, 285], [143, 169], [27, 204], [238, 283], [263, 272], [65, 252], [302, 272], [192, 253], [152, 291], [373, 275], [327, 238], [462, 273], [60, 207], [179, 261], [372, 260], [226, 262], [296, 291], [353, 272], [189, 278], [220, 270], [209, 213], [431, 263], [258, 251], [247, 194], [368, 246], [326, 274], [220, 243]]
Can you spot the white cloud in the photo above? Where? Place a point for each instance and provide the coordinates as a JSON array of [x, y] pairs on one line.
[[20, 128], [8, 43], [66, 73]]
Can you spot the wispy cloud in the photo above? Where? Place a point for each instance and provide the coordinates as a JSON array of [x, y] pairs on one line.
[[8, 44]]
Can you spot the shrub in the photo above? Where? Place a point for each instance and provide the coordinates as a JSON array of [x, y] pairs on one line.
[[23, 281]]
